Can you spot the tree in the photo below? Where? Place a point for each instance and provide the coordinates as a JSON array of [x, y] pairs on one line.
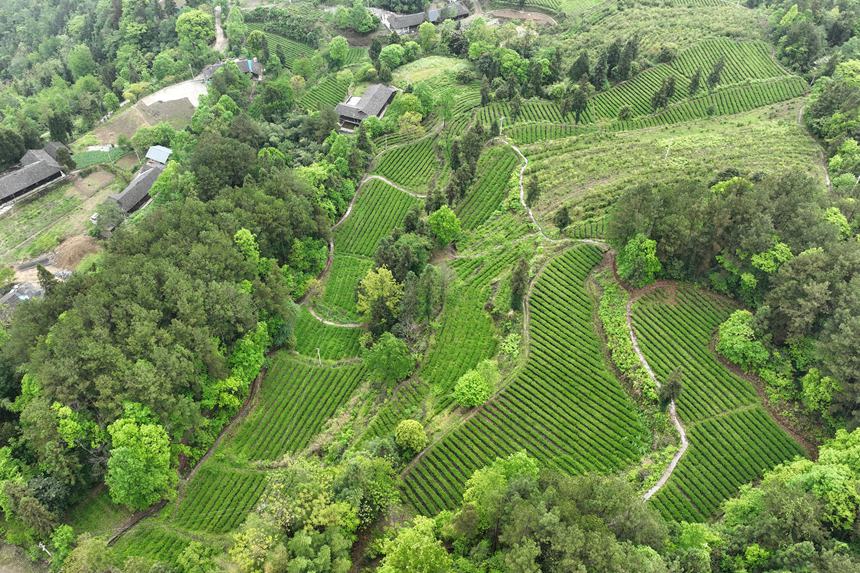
[[737, 342], [625, 61], [60, 126], [581, 67], [519, 284], [391, 56], [360, 18], [196, 30], [139, 468], [196, 558], [378, 286], [476, 386], [374, 50], [516, 105], [234, 26], [562, 218], [11, 148], [444, 225], [416, 549], [80, 62], [338, 51], [389, 359], [427, 37], [410, 434], [671, 387], [637, 262], [716, 73], [47, 280], [109, 216], [91, 555], [695, 82], [533, 190], [485, 91], [579, 99]]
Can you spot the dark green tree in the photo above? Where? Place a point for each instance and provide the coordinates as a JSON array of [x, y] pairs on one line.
[[519, 284]]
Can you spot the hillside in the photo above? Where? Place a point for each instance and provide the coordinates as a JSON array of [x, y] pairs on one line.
[[556, 285]]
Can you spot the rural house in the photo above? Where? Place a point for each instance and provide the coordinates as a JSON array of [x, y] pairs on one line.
[[136, 193], [408, 23], [373, 101], [247, 66], [37, 169]]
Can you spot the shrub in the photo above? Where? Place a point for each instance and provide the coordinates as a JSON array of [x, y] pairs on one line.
[[410, 434]]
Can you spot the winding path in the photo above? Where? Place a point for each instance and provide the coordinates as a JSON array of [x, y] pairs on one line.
[[330, 258], [673, 413]]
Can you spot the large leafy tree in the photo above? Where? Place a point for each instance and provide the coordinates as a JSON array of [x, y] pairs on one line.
[[140, 471], [637, 262]]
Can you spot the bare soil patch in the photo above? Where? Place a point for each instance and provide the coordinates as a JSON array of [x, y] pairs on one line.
[[91, 184], [72, 251], [538, 17]]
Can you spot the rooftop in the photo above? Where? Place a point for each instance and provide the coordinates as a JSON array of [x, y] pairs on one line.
[[138, 189], [159, 153], [372, 102], [36, 166]]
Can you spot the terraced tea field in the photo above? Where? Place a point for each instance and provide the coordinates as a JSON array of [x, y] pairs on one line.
[[732, 438], [411, 166], [490, 187], [565, 408], [378, 210]]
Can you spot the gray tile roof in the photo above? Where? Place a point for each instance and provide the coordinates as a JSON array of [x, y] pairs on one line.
[[53, 147], [372, 102], [403, 21], [454, 10], [137, 190], [37, 168], [159, 153], [20, 293]]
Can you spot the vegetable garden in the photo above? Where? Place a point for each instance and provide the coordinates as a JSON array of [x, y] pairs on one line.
[[732, 438], [564, 408]]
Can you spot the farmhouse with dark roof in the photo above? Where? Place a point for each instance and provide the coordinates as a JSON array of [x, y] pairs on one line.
[[408, 23], [372, 102], [136, 193], [35, 171]]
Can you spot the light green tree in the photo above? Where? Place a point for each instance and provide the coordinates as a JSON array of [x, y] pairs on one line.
[[416, 549], [476, 386], [196, 30], [139, 468], [444, 225], [377, 285], [338, 51], [410, 434], [637, 262], [737, 341], [389, 360]]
